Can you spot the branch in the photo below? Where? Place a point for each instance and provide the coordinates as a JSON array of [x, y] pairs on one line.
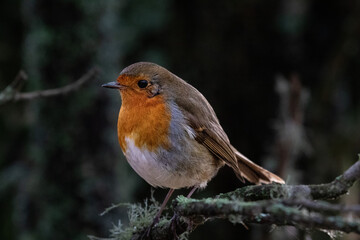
[[11, 92], [323, 207], [268, 212], [268, 204], [331, 190]]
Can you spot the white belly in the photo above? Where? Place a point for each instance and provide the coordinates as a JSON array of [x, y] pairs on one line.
[[153, 171]]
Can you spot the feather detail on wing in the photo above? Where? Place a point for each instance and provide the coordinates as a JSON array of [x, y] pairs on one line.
[[242, 166], [215, 140], [208, 132], [217, 146]]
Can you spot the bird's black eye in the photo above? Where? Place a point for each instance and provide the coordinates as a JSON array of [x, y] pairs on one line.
[[142, 83]]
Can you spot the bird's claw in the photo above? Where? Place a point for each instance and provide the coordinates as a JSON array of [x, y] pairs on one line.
[[147, 233], [173, 226]]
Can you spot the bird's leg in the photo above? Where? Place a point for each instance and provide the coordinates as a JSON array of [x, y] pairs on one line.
[[162, 207], [191, 192], [168, 195], [174, 219]]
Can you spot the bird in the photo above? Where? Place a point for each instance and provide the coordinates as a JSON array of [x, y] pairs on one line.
[[170, 134]]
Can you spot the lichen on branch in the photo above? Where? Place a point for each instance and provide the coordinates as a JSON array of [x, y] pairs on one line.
[[302, 206]]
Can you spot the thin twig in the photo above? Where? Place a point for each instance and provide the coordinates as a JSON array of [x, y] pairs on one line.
[[19, 80], [11, 93]]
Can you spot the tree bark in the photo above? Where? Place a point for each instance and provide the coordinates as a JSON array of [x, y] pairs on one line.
[[296, 205]]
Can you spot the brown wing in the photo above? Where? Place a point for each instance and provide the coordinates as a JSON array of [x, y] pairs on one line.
[[208, 132], [215, 140], [242, 166]]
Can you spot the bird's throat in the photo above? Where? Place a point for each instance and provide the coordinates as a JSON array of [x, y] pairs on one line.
[[144, 120]]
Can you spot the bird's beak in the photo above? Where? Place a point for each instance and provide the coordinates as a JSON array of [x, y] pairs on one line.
[[113, 85]]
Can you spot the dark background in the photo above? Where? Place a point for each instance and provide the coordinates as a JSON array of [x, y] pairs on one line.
[[60, 163]]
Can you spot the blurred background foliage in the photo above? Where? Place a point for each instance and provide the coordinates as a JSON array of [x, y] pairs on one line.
[[60, 163]]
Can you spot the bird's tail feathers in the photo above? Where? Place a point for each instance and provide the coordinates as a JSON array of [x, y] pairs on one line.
[[253, 172]]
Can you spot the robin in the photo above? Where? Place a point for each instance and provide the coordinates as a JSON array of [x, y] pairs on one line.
[[170, 134]]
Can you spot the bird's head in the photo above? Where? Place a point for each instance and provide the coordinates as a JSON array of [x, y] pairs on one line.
[[144, 80]]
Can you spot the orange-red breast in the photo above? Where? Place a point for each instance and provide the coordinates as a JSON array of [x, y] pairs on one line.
[[170, 134]]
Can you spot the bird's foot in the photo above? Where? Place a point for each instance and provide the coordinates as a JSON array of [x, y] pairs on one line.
[[147, 233], [174, 225]]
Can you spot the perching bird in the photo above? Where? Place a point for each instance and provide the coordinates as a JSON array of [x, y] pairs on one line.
[[170, 134]]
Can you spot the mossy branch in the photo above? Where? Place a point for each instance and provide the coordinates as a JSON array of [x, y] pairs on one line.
[[267, 212], [302, 206], [339, 186]]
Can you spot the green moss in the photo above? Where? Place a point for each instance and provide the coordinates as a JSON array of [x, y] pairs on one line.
[[140, 216], [219, 202]]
